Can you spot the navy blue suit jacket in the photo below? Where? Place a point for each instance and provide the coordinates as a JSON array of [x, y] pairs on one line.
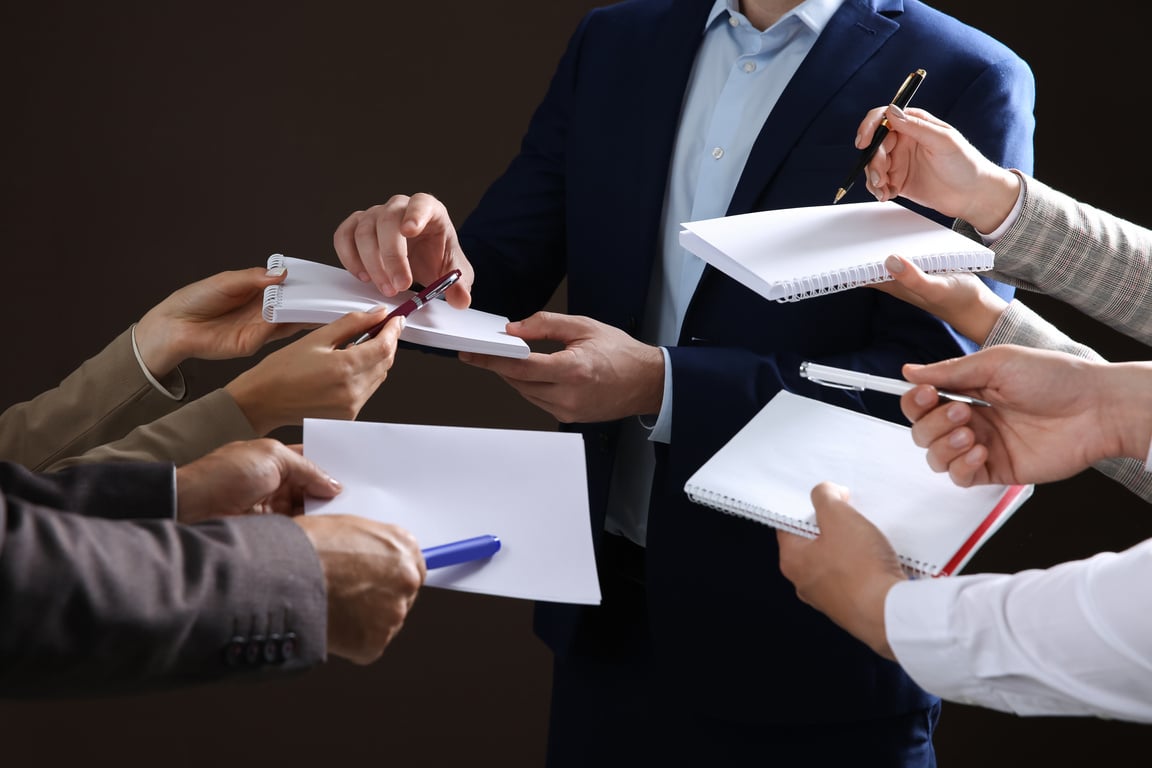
[[582, 200]]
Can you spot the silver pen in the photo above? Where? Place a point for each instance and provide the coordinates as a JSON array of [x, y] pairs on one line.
[[842, 378]]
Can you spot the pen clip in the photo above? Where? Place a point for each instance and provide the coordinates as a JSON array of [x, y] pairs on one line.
[[437, 289], [835, 385], [824, 382]]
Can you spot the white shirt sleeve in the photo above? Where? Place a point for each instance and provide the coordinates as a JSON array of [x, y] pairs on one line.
[[176, 393], [1074, 639]]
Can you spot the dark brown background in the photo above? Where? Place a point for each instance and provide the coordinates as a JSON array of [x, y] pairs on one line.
[[147, 145]]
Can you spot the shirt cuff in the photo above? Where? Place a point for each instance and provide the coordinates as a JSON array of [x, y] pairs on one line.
[[1014, 214], [177, 394], [662, 429]]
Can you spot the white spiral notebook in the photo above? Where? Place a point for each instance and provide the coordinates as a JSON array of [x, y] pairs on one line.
[[766, 473], [790, 254], [320, 293]]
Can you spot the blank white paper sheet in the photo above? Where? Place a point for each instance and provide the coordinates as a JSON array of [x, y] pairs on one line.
[[449, 483]]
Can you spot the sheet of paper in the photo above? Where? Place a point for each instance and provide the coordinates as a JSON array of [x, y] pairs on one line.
[[449, 483]]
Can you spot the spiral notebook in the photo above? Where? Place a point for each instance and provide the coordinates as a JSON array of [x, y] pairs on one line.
[[789, 254], [320, 293], [766, 473]]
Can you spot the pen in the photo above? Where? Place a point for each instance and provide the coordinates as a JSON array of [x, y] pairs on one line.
[[433, 290], [845, 379], [461, 551], [903, 96]]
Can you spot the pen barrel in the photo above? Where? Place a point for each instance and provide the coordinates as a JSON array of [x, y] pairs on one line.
[[461, 551]]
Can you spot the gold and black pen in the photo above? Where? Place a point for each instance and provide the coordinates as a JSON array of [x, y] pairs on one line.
[[903, 96]]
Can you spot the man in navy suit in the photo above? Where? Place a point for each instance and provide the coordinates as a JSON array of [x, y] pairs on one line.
[[664, 111]]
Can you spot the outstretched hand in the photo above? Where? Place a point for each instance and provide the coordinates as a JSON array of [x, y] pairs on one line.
[[405, 239], [217, 318]]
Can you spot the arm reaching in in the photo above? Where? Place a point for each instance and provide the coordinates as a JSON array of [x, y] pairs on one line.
[[317, 375], [404, 239], [601, 374], [1052, 414], [216, 318], [372, 571], [927, 161], [846, 571]]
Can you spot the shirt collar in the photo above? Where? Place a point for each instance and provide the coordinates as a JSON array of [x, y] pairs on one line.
[[814, 13]]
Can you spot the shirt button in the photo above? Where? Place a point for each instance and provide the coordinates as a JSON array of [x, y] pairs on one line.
[[749, 66], [732, 20], [717, 152]]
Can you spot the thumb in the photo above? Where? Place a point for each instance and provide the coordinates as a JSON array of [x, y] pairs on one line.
[[970, 372], [299, 472], [549, 326]]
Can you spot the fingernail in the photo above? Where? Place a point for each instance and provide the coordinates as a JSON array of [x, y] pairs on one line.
[[875, 179], [925, 397], [894, 265], [895, 113], [859, 139], [465, 357], [402, 320], [385, 288], [955, 412], [958, 440], [276, 271], [364, 277], [336, 486]]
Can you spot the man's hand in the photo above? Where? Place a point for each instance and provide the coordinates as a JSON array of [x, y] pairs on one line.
[[404, 239], [372, 573], [601, 374], [253, 477], [847, 570]]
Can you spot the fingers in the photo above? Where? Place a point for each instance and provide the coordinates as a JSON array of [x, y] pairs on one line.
[[370, 246], [405, 239], [302, 474], [868, 126]]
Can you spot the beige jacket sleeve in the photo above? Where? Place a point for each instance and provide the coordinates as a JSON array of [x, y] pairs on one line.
[[1096, 262], [108, 411], [101, 401]]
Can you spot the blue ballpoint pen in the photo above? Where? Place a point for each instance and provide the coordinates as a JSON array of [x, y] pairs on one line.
[[461, 551]]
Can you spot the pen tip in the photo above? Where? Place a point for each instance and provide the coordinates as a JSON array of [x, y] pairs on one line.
[[839, 194]]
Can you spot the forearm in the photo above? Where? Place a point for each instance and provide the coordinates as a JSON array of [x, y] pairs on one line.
[[100, 402], [256, 585], [185, 435], [1071, 640]]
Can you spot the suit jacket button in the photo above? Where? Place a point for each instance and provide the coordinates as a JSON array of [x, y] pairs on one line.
[[254, 651], [234, 650], [288, 646], [272, 648]]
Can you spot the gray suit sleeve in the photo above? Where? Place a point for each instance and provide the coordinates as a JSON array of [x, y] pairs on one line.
[[97, 599]]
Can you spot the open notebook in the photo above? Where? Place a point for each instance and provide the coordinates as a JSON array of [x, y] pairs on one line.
[[790, 254], [319, 293], [766, 473]]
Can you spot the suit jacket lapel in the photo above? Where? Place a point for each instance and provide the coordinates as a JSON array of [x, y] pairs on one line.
[[857, 31]]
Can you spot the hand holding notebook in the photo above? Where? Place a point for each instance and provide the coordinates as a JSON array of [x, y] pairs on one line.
[[320, 293], [790, 254], [766, 473]]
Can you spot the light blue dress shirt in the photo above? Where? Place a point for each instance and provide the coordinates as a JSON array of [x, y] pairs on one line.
[[736, 80]]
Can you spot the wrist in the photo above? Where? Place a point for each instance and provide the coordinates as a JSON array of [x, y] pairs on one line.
[[155, 345], [995, 199], [248, 393], [1126, 398]]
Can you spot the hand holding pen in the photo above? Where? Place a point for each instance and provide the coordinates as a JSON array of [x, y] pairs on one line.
[[901, 99], [432, 291]]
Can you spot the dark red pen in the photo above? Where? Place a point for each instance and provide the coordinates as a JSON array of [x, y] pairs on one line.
[[433, 290]]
